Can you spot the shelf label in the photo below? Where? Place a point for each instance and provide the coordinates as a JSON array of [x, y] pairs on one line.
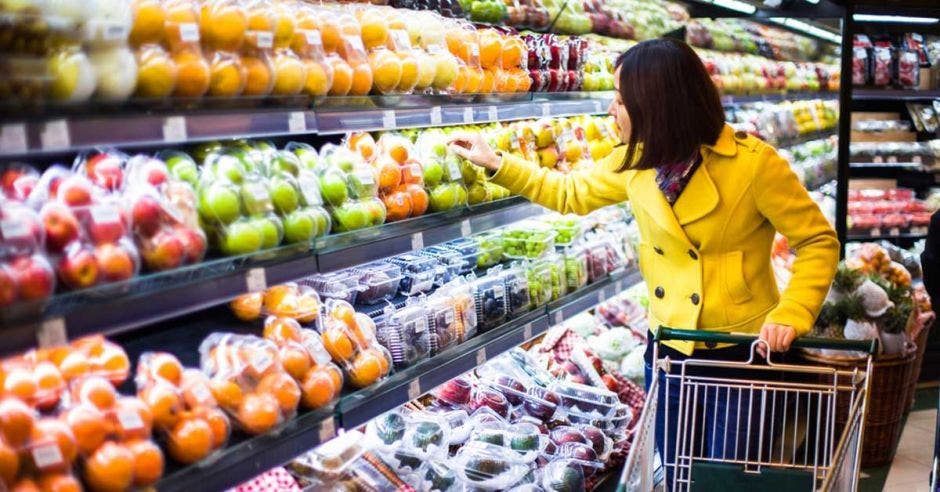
[[492, 113], [436, 118], [481, 356], [559, 317], [414, 389], [894, 231], [13, 139], [297, 122], [527, 331], [618, 286], [327, 430], [114, 31], [313, 37], [465, 229], [52, 333], [174, 129], [388, 119], [417, 241], [601, 296], [189, 32], [255, 280], [598, 107], [546, 110], [55, 135], [468, 114]]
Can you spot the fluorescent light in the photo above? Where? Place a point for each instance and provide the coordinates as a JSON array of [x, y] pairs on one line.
[[807, 28], [814, 2], [736, 5], [894, 18]]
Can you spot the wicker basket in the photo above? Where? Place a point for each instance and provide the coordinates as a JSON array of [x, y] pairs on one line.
[[919, 331], [887, 401]]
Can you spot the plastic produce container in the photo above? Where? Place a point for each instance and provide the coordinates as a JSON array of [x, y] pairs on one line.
[[452, 263], [586, 399], [518, 299], [377, 281], [489, 297], [418, 273], [568, 228], [487, 466], [527, 239], [404, 332], [490, 248], [343, 285], [469, 250]]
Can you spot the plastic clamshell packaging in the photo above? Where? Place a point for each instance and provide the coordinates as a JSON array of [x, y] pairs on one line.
[[405, 334], [470, 252], [418, 273], [562, 475], [488, 467], [490, 248], [586, 399], [343, 286], [332, 459], [451, 263], [378, 282], [445, 328], [527, 239], [517, 290], [489, 296], [387, 430], [567, 227]]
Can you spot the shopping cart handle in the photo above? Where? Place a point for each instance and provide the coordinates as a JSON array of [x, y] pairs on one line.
[[664, 334]]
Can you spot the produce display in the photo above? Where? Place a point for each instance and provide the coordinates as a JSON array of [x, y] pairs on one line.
[[888, 61], [890, 212], [912, 153], [738, 35], [778, 122]]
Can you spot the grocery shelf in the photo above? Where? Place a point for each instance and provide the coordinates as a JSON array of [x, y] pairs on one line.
[[893, 94], [249, 456], [807, 137], [144, 300], [887, 237], [731, 100]]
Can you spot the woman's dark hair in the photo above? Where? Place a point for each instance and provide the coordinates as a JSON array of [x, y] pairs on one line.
[[673, 104]]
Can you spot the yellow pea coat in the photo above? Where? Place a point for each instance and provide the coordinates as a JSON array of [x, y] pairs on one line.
[[706, 259]]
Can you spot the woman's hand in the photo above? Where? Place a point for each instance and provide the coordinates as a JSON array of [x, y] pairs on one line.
[[778, 338], [474, 148]]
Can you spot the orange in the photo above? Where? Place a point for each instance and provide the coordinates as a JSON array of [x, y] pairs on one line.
[[16, 421], [25, 485], [110, 468], [156, 72], [296, 360], [133, 419], [261, 17], [222, 24], [427, 69], [460, 82], [53, 431], [386, 70], [260, 79], [167, 367], [258, 413], [227, 393], [247, 307], [290, 74], [362, 143], [317, 388], [343, 311], [333, 27], [284, 389], [9, 463], [179, 12], [458, 43], [364, 331], [192, 73], [165, 405], [374, 28], [491, 48], [398, 150], [91, 345], [148, 462], [20, 383], [342, 76], [229, 75], [196, 390], [88, 426], [474, 80], [149, 17], [284, 26], [219, 424], [258, 362], [361, 80], [419, 199], [524, 82], [514, 50], [489, 82], [506, 82], [336, 376], [389, 173], [114, 362], [412, 172], [280, 297], [59, 482], [398, 206], [366, 369], [282, 329], [409, 72], [98, 392], [190, 440], [319, 78]]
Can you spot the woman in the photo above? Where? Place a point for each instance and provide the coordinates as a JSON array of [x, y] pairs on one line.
[[707, 201]]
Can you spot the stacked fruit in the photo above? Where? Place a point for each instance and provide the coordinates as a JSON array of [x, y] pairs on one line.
[[34, 452], [350, 189], [400, 174], [289, 300], [350, 338], [303, 356], [559, 144], [442, 172], [555, 63], [25, 272]]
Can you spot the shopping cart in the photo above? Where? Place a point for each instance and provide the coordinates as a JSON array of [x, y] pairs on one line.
[[764, 427]]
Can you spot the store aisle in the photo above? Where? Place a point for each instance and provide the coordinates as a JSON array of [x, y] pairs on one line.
[[910, 471]]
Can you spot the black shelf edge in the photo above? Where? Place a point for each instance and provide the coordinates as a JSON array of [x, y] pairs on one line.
[[885, 237], [808, 137], [730, 100], [859, 94], [116, 308]]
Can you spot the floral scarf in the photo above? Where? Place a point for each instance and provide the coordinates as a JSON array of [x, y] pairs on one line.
[[673, 178]]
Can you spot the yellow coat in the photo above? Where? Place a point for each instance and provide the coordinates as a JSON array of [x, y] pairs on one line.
[[706, 259]]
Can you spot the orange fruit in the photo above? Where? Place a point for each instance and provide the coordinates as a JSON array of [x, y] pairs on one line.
[[337, 341], [148, 462], [260, 79], [261, 18], [491, 48], [362, 143], [361, 80], [296, 360], [412, 172], [168, 367], [343, 311], [110, 468], [366, 369], [25, 485], [192, 73], [333, 26], [474, 80], [319, 78], [506, 82], [149, 17], [9, 463], [227, 393], [389, 173], [59, 482], [53, 431], [222, 24], [513, 51], [280, 297], [489, 82], [364, 330], [409, 72], [165, 405], [374, 28], [283, 388], [290, 74], [179, 12], [308, 308], [259, 362], [283, 27], [196, 390], [133, 419], [247, 307], [259, 413], [20, 383], [336, 376], [419, 199], [74, 365], [219, 424], [228, 75], [459, 85], [342, 76], [317, 388], [282, 329], [397, 206], [98, 392], [114, 362], [386, 70], [190, 440], [16, 421], [88, 426]]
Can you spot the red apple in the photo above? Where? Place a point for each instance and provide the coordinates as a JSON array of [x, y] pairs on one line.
[[9, 176], [60, 224], [75, 191], [105, 171], [7, 287], [114, 262], [146, 215], [194, 243], [33, 276], [78, 268], [106, 224], [165, 250], [23, 187], [155, 172], [20, 231]]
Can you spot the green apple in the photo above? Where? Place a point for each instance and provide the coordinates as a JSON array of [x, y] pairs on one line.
[[284, 195], [323, 220], [362, 182], [272, 230], [470, 173], [350, 217], [229, 167], [439, 149], [183, 168], [256, 198], [333, 187], [241, 238], [461, 194], [443, 197], [73, 76], [284, 161], [300, 226], [219, 203], [479, 193], [376, 211], [306, 153], [433, 173], [203, 151]]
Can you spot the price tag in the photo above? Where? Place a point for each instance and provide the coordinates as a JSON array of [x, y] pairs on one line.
[[916, 160], [258, 191], [202, 393], [420, 325], [414, 389], [13, 228], [499, 291], [264, 39], [436, 118], [453, 170], [449, 316], [104, 214], [114, 31], [261, 361], [401, 39], [52, 333], [601, 296], [546, 110], [174, 129], [310, 190], [618, 286], [417, 241], [492, 113], [892, 159], [55, 135], [475, 51], [327, 430], [598, 107], [297, 122], [388, 119], [559, 317], [13, 139], [876, 232], [47, 456], [468, 114], [256, 280], [894, 231], [313, 37], [481, 356], [130, 420], [189, 32], [465, 229], [527, 331]]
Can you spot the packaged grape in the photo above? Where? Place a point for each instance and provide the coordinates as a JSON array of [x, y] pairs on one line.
[[584, 398], [539, 275], [443, 325], [331, 460], [305, 358], [489, 297], [378, 282], [469, 250], [518, 299], [488, 466], [404, 332], [351, 339], [419, 273], [342, 286], [576, 267], [490, 247], [451, 263], [527, 239], [568, 228]]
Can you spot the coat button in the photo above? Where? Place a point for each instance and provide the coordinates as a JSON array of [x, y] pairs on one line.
[[658, 250], [660, 292], [711, 345], [740, 135], [695, 299], [693, 255]]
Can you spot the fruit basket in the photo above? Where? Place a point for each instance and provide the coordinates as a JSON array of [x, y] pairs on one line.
[[527, 239]]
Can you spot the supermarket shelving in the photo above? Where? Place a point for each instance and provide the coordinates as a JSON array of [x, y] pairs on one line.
[[893, 94], [879, 237], [248, 456], [114, 308], [808, 137], [730, 100]]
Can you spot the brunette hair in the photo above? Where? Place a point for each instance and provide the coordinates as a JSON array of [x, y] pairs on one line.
[[673, 104]]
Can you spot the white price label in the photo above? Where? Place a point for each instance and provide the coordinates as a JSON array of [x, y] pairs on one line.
[[55, 135], [601, 296], [465, 229], [202, 393], [894, 231], [499, 291], [420, 325], [892, 159], [264, 39], [417, 241], [356, 43], [47, 456], [492, 113], [366, 177], [313, 37], [453, 170], [468, 114], [876, 232], [916, 160], [130, 420], [104, 214], [258, 191], [559, 317], [327, 430], [297, 122], [261, 361], [546, 110], [481, 356], [310, 190], [13, 139], [598, 107], [527, 331], [114, 31], [256, 280], [13, 228], [401, 39], [475, 51], [388, 119], [414, 389], [174, 129], [436, 118], [618, 286], [189, 32], [449, 316], [52, 333]]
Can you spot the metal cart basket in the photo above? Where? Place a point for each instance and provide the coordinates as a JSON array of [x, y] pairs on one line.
[[746, 425]]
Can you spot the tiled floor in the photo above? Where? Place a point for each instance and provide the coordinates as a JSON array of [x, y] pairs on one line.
[[910, 470]]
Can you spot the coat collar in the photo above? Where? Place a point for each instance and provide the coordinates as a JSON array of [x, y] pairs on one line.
[[725, 145]]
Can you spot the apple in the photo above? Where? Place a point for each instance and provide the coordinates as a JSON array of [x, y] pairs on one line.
[[75, 191], [333, 187], [146, 215], [8, 286], [163, 251], [105, 170], [229, 167], [33, 276], [284, 195], [272, 230], [548, 157], [60, 224], [322, 219], [300, 226], [23, 187], [78, 268], [256, 198], [10, 175], [284, 161], [219, 203], [433, 173], [194, 243], [376, 211], [106, 225], [350, 217], [115, 263], [155, 172], [307, 155], [241, 238], [183, 168], [443, 197]]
